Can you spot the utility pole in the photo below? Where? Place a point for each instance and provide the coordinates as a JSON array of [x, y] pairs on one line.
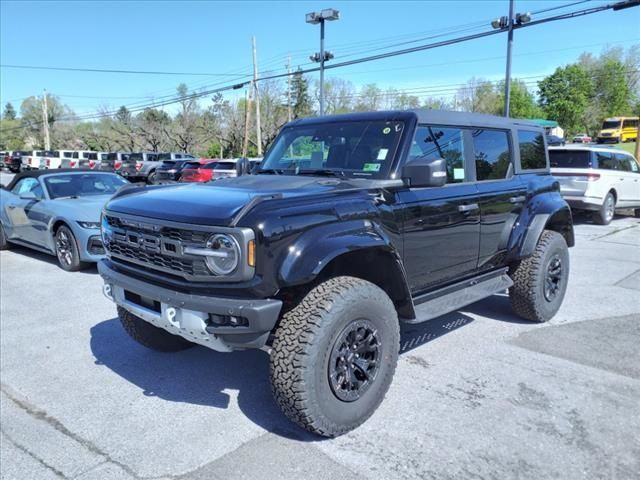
[[247, 115], [289, 87], [45, 121], [257, 98], [507, 82]]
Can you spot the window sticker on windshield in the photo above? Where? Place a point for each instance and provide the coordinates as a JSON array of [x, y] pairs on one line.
[[382, 154], [371, 167], [386, 130], [458, 173]]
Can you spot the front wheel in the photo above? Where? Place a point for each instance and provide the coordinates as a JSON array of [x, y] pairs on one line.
[[540, 281], [151, 178], [334, 356], [67, 250], [4, 243]]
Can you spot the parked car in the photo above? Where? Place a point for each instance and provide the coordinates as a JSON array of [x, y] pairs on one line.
[[597, 179], [553, 141], [140, 166], [51, 159], [170, 170], [199, 171], [57, 212], [15, 161], [353, 225], [80, 159], [582, 138], [112, 161]]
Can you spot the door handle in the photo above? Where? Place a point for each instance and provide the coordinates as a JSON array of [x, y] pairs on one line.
[[11, 207], [519, 199], [468, 208]]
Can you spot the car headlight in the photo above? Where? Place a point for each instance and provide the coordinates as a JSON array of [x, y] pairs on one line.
[[89, 224], [223, 254]]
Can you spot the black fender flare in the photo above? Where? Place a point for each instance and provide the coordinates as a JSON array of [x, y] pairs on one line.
[[311, 252], [547, 213]]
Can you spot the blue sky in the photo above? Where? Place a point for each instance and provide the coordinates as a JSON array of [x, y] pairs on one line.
[[215, 37]]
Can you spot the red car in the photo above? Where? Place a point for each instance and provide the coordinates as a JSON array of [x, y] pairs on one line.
[[196, 171], [204, 170]]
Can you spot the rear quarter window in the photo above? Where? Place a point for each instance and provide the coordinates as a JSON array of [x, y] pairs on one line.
[[532, 151], [570, 158]]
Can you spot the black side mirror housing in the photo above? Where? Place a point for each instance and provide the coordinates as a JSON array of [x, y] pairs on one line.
[[425, 173], [242, 166]]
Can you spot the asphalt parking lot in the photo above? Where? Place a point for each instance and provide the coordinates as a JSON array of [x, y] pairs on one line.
[[477, 394]]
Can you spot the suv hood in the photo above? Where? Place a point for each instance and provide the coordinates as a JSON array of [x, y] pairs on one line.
[[216, 203]]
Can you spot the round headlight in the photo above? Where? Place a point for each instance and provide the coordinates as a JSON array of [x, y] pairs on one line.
[[225, 254]]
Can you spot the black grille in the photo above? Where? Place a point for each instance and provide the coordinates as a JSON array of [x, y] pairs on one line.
[[156, 246]]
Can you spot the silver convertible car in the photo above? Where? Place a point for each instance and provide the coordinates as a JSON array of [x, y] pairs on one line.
[[57, 212]]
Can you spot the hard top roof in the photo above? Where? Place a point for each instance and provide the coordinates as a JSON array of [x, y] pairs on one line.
[[437, 117]]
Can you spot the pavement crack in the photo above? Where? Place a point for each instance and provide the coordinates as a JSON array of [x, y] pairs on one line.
[[43, 416], [26, 451]]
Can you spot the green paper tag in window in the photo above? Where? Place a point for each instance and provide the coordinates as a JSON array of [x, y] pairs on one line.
[[371, 167]]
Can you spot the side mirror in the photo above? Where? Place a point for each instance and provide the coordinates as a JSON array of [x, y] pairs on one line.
[[28, 196], [242, 166], [425, 173]]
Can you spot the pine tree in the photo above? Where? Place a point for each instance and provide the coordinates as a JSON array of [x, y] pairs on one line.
[[300, 95], [9, 112]]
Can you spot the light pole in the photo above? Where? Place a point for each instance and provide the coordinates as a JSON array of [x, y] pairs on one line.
[[509, 22], [328, 14]]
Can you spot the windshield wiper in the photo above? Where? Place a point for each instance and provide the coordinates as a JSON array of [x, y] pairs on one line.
[[325, 172]]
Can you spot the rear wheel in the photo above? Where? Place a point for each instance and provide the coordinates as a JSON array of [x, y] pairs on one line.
[[334, 356], [151, 179], [67, 250], [607, 210], [151, 336], [540, 281]]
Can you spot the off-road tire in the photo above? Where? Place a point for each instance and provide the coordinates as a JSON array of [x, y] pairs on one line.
[[604, 215], [527, 295], [151, 178], [4, 243], [73, 264], [150, 336], [636, 213], [302, 349]]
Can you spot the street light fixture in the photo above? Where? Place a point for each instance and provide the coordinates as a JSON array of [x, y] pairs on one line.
[[509, 22], [314, 18]]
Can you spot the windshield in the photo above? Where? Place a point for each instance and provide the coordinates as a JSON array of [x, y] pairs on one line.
[[610, 124], [570, 158], [355, 149], [82, 185]]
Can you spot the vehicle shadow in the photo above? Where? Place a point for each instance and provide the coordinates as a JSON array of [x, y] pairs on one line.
[[44, 257], [201, 376]]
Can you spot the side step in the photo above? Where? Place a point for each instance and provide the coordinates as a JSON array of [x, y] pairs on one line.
[[458, 295]]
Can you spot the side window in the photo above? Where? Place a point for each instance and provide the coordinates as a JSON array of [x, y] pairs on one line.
[[27, 185], [432, 142], [492, 154], [606, 161], [532, 152]]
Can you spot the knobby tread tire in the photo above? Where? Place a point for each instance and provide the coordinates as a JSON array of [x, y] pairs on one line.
[[526, 299], [149, 335], [292, 355]]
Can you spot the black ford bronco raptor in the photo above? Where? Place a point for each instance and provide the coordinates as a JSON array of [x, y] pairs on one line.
[[351, 225]]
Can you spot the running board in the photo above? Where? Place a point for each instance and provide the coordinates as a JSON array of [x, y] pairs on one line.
[[458, 295]]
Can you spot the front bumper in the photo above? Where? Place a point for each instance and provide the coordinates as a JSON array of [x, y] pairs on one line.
[[191, 316]]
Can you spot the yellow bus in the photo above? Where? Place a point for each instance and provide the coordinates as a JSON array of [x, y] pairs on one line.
[[618, 129]]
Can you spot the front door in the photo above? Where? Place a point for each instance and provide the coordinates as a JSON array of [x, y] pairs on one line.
[[20, 210], [441, 225]]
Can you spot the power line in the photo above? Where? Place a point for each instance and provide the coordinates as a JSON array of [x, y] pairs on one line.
[[104, 70], [370, 58]]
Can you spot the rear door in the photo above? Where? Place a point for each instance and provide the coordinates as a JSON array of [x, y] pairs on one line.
[[502, 194], [441, 225], [629, 195]]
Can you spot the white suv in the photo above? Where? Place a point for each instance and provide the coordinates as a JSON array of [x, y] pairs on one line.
[[598, 179]]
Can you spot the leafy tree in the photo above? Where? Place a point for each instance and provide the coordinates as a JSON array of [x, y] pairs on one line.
[[565, 95], [300, 95], [522, 103], [478, 95], [9, 112], [151, 126], [31, 118], [369, 98]]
